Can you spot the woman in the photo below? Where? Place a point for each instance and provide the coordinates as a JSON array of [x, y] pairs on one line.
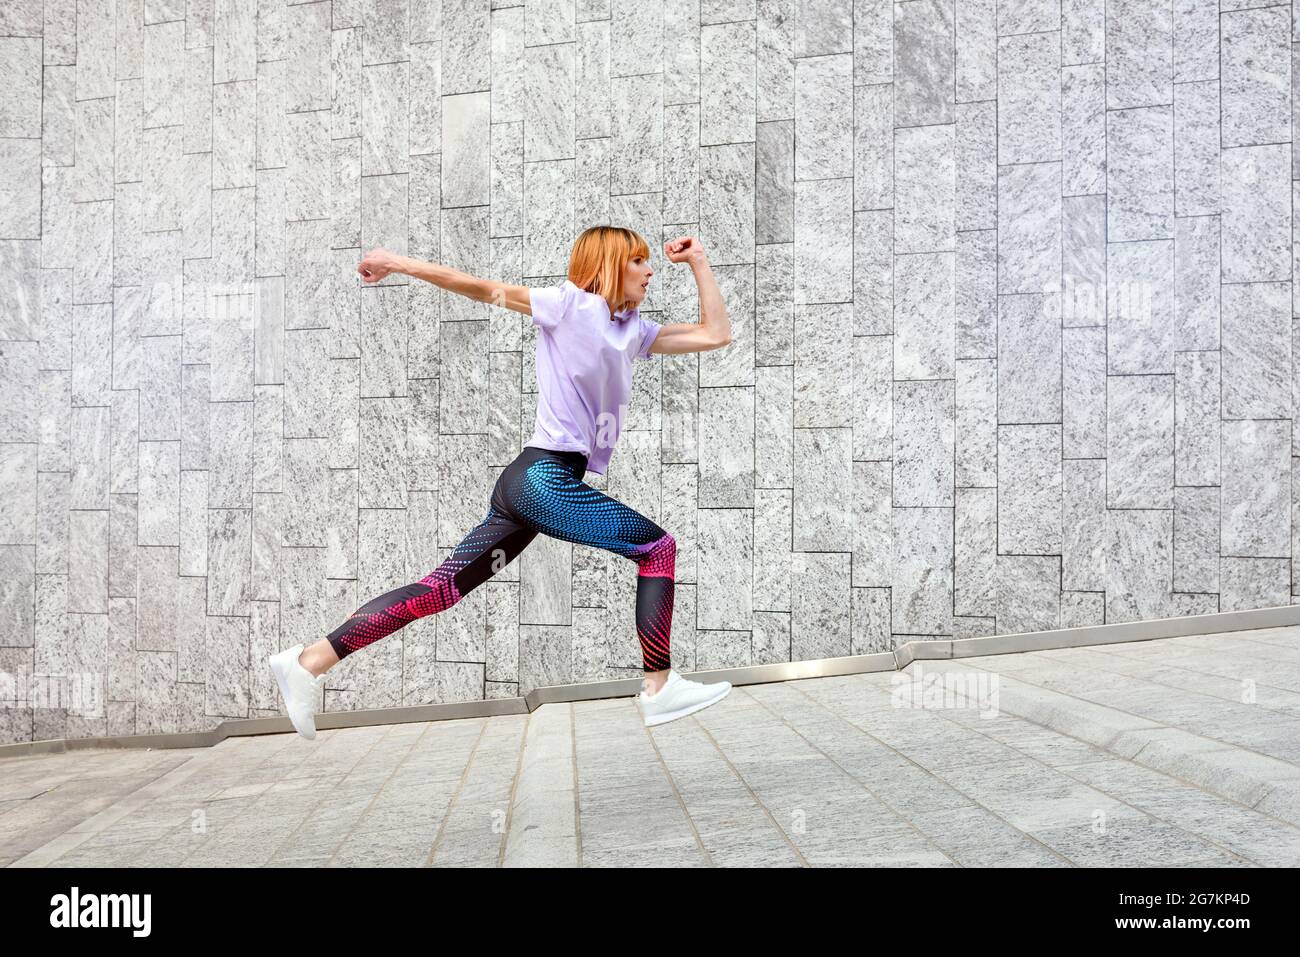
[[589, 331]]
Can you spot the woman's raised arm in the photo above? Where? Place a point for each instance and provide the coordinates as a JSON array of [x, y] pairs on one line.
[[378, 263], [713, 331]]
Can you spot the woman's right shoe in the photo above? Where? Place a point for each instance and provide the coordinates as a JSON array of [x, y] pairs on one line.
[[679, 697], [299, 688]]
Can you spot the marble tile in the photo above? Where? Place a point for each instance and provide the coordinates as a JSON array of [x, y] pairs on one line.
[[923, 40], [728, 94], [1030, 489]]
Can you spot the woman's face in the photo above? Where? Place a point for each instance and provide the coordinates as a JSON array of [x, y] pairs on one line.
[[636, 278]]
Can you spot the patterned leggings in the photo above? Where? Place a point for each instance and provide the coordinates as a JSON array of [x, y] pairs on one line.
[[540, 491]]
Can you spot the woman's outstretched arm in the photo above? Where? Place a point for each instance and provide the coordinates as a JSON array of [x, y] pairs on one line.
[[713, 331], [379, 263]]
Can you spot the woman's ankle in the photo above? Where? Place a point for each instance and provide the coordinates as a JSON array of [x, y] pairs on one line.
[[318, 658]]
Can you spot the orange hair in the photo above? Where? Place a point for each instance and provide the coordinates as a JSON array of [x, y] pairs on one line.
[[599, 256]]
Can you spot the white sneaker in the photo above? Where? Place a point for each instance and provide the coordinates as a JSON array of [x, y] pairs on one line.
[[679, 697], [300, 690]]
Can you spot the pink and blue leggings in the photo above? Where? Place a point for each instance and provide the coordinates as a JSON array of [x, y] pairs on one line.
[[540, 491]]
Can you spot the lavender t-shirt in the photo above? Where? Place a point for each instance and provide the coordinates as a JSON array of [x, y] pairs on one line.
[[584, 370]]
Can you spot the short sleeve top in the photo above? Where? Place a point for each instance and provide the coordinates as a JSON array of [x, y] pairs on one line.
[[584, 370]]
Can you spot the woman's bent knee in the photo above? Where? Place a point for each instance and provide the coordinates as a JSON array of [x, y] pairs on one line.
[[659, 557], [440, 595]]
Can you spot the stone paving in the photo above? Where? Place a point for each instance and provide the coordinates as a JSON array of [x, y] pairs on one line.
[[1177, 752]]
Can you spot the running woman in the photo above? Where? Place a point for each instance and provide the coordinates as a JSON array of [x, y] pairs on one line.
[[589, 330]]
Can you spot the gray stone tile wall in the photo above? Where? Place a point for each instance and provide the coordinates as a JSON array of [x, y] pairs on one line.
[[1011, 288]]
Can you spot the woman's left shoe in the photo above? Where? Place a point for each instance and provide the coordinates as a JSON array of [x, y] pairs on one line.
[[300, 690], [679, 697]]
